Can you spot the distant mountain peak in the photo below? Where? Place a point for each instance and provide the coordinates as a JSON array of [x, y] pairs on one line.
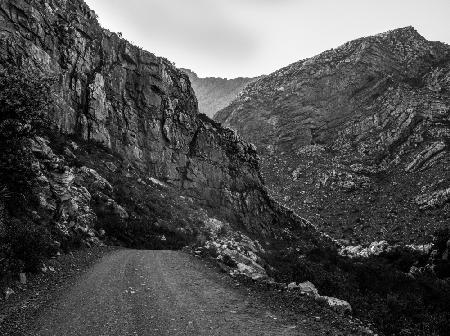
[[402, 31], [401, 52], [215, 93]]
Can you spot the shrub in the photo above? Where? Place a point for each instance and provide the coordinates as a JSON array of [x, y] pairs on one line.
[[379, 288], [25, 99], [26, 245]]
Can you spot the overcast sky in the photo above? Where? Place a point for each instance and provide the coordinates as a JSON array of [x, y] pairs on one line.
[[232, 38]]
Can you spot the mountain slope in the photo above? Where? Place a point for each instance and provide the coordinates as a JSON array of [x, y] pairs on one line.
[[213, 93], [357, 137], [125, 146]]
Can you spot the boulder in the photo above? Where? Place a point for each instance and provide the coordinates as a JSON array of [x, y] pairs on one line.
[[292, 285], [308, 288], [92, 180], [374, 249], [40, 147], [8, 292], [253, 271], [23, 278], [238, 252], [339, 306]]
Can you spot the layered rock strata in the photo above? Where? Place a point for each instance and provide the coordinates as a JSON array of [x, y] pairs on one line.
[[357, 137]]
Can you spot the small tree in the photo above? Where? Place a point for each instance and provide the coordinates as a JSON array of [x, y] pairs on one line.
[[25, 99]]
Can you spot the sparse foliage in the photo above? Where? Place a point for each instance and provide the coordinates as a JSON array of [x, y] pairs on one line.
[[24, 102], [26, 245]]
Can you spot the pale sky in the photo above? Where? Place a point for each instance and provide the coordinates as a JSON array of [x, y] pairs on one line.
[[232, 38]]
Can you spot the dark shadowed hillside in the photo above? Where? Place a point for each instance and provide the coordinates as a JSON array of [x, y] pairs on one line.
[[213, 94], [357, 138]]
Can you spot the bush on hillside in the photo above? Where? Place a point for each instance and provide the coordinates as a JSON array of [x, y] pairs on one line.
[[26, 244], [379, 288], [25, 100]]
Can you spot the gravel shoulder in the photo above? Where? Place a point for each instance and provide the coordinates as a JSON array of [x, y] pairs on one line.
[[42, 289]]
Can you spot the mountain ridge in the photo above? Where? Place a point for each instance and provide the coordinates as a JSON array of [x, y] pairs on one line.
[[379, 103]]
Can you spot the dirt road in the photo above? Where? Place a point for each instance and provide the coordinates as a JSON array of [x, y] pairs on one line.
[[157, 293]]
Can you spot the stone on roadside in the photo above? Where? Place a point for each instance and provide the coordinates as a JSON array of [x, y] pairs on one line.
[[23, 278], [338, 305], [8, 292], [308, 288], [292, 285]]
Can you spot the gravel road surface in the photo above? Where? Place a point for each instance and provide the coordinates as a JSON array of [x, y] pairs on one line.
[[147, 293]]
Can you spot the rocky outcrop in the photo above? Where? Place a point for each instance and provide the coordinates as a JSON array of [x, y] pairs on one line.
[[237, 254], [213, 94], [426, 158], [62, 194], [308, 288], [433, 200], [382, 247], [354, 136]]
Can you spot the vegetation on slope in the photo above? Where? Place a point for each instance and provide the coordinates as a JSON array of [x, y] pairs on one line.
[[24, 102], [381, 289]]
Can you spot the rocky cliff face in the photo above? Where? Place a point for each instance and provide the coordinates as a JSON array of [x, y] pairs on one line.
[[357, 137], [141, 110], [214, 94]]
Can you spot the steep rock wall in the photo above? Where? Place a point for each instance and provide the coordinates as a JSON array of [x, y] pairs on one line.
[[137, 105]]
